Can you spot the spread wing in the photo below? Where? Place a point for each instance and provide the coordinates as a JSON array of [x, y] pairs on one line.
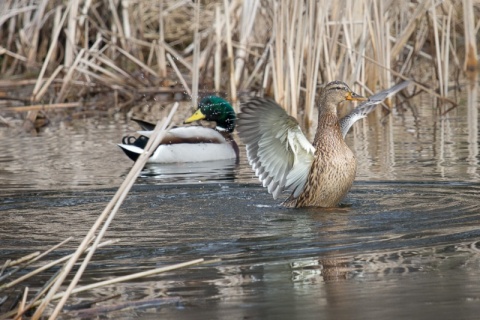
[[277, 149], [363, 109]]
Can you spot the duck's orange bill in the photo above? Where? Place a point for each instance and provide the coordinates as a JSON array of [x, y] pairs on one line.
[[352, 96]]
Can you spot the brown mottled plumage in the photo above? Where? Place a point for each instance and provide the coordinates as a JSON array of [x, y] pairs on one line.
[[317, 175], [334, 165]]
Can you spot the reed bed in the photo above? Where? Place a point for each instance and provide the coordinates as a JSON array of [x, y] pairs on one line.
[[111, 54], [107, 54]]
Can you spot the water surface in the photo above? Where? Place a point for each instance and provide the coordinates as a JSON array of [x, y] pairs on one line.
[[404, 245]]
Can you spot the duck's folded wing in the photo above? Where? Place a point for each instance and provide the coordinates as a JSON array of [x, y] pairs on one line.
[[277, 149], [363, 109]]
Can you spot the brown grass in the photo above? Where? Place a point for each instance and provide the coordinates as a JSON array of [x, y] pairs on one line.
[[283, 48]]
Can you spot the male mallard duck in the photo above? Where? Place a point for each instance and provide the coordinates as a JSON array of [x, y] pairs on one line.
[[193, 143], [318, 175]]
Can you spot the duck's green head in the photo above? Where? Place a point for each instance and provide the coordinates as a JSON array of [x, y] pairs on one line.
[[214, 108]]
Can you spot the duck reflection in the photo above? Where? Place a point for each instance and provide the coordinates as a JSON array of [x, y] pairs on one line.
[[189, 172]]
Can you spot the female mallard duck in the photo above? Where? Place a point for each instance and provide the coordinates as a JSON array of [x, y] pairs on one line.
[[193, 143], [318, 175]]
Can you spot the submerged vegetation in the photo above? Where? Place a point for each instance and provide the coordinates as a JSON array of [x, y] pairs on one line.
[[112, 55]]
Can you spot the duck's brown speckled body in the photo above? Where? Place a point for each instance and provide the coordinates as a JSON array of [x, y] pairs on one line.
[[318, 175], [333, 168]]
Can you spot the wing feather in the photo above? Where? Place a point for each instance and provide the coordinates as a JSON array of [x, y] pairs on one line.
[[277, 150], [363, 109]]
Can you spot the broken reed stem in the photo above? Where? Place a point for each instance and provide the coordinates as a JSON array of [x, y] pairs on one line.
[[218, 49], [36, 257], [50, 52], [43, 107], [48, 266], [196, 55], [23, 302], [162, 63], [179, 75], [23, 259], [471, 59], [129, 277], [231, 66], [107, 215]]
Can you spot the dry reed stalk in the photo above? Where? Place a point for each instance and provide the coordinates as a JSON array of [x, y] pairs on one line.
[[471, 60], [36, 257], [68, 77], [71, 33], [34, 302], [44, 107], [106, 217], [47, 83], [162, 62], [409, 29], [117, 26], [47, 266], [23, 259], [313, 60], [438, 56], [34, 33], [249, 12], [50, 52], [5, 265], [196, 55], [112, 78], [22, 303], [218, 49], [179, 75], [231, 66], [12, 54], [84, 13], [137, 61], [446, 51], [178, 56], [126, 19], [100, 284], [259, 64]]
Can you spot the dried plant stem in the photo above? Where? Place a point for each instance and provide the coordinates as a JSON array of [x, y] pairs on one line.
[[471, 59], [23, 302], [71, 33], [179, 74], [218, 49], [47, 266], [43, 107], [196, 55], [162, 63], [50, 52], [231, 66], [106, 217], [129, 277]]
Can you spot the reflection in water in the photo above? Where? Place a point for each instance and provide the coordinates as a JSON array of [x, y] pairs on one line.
[[394, 242], [408, 235], [189, 172], [472, 105]]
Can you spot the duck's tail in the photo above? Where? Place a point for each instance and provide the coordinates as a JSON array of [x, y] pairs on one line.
[[132, 146]]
